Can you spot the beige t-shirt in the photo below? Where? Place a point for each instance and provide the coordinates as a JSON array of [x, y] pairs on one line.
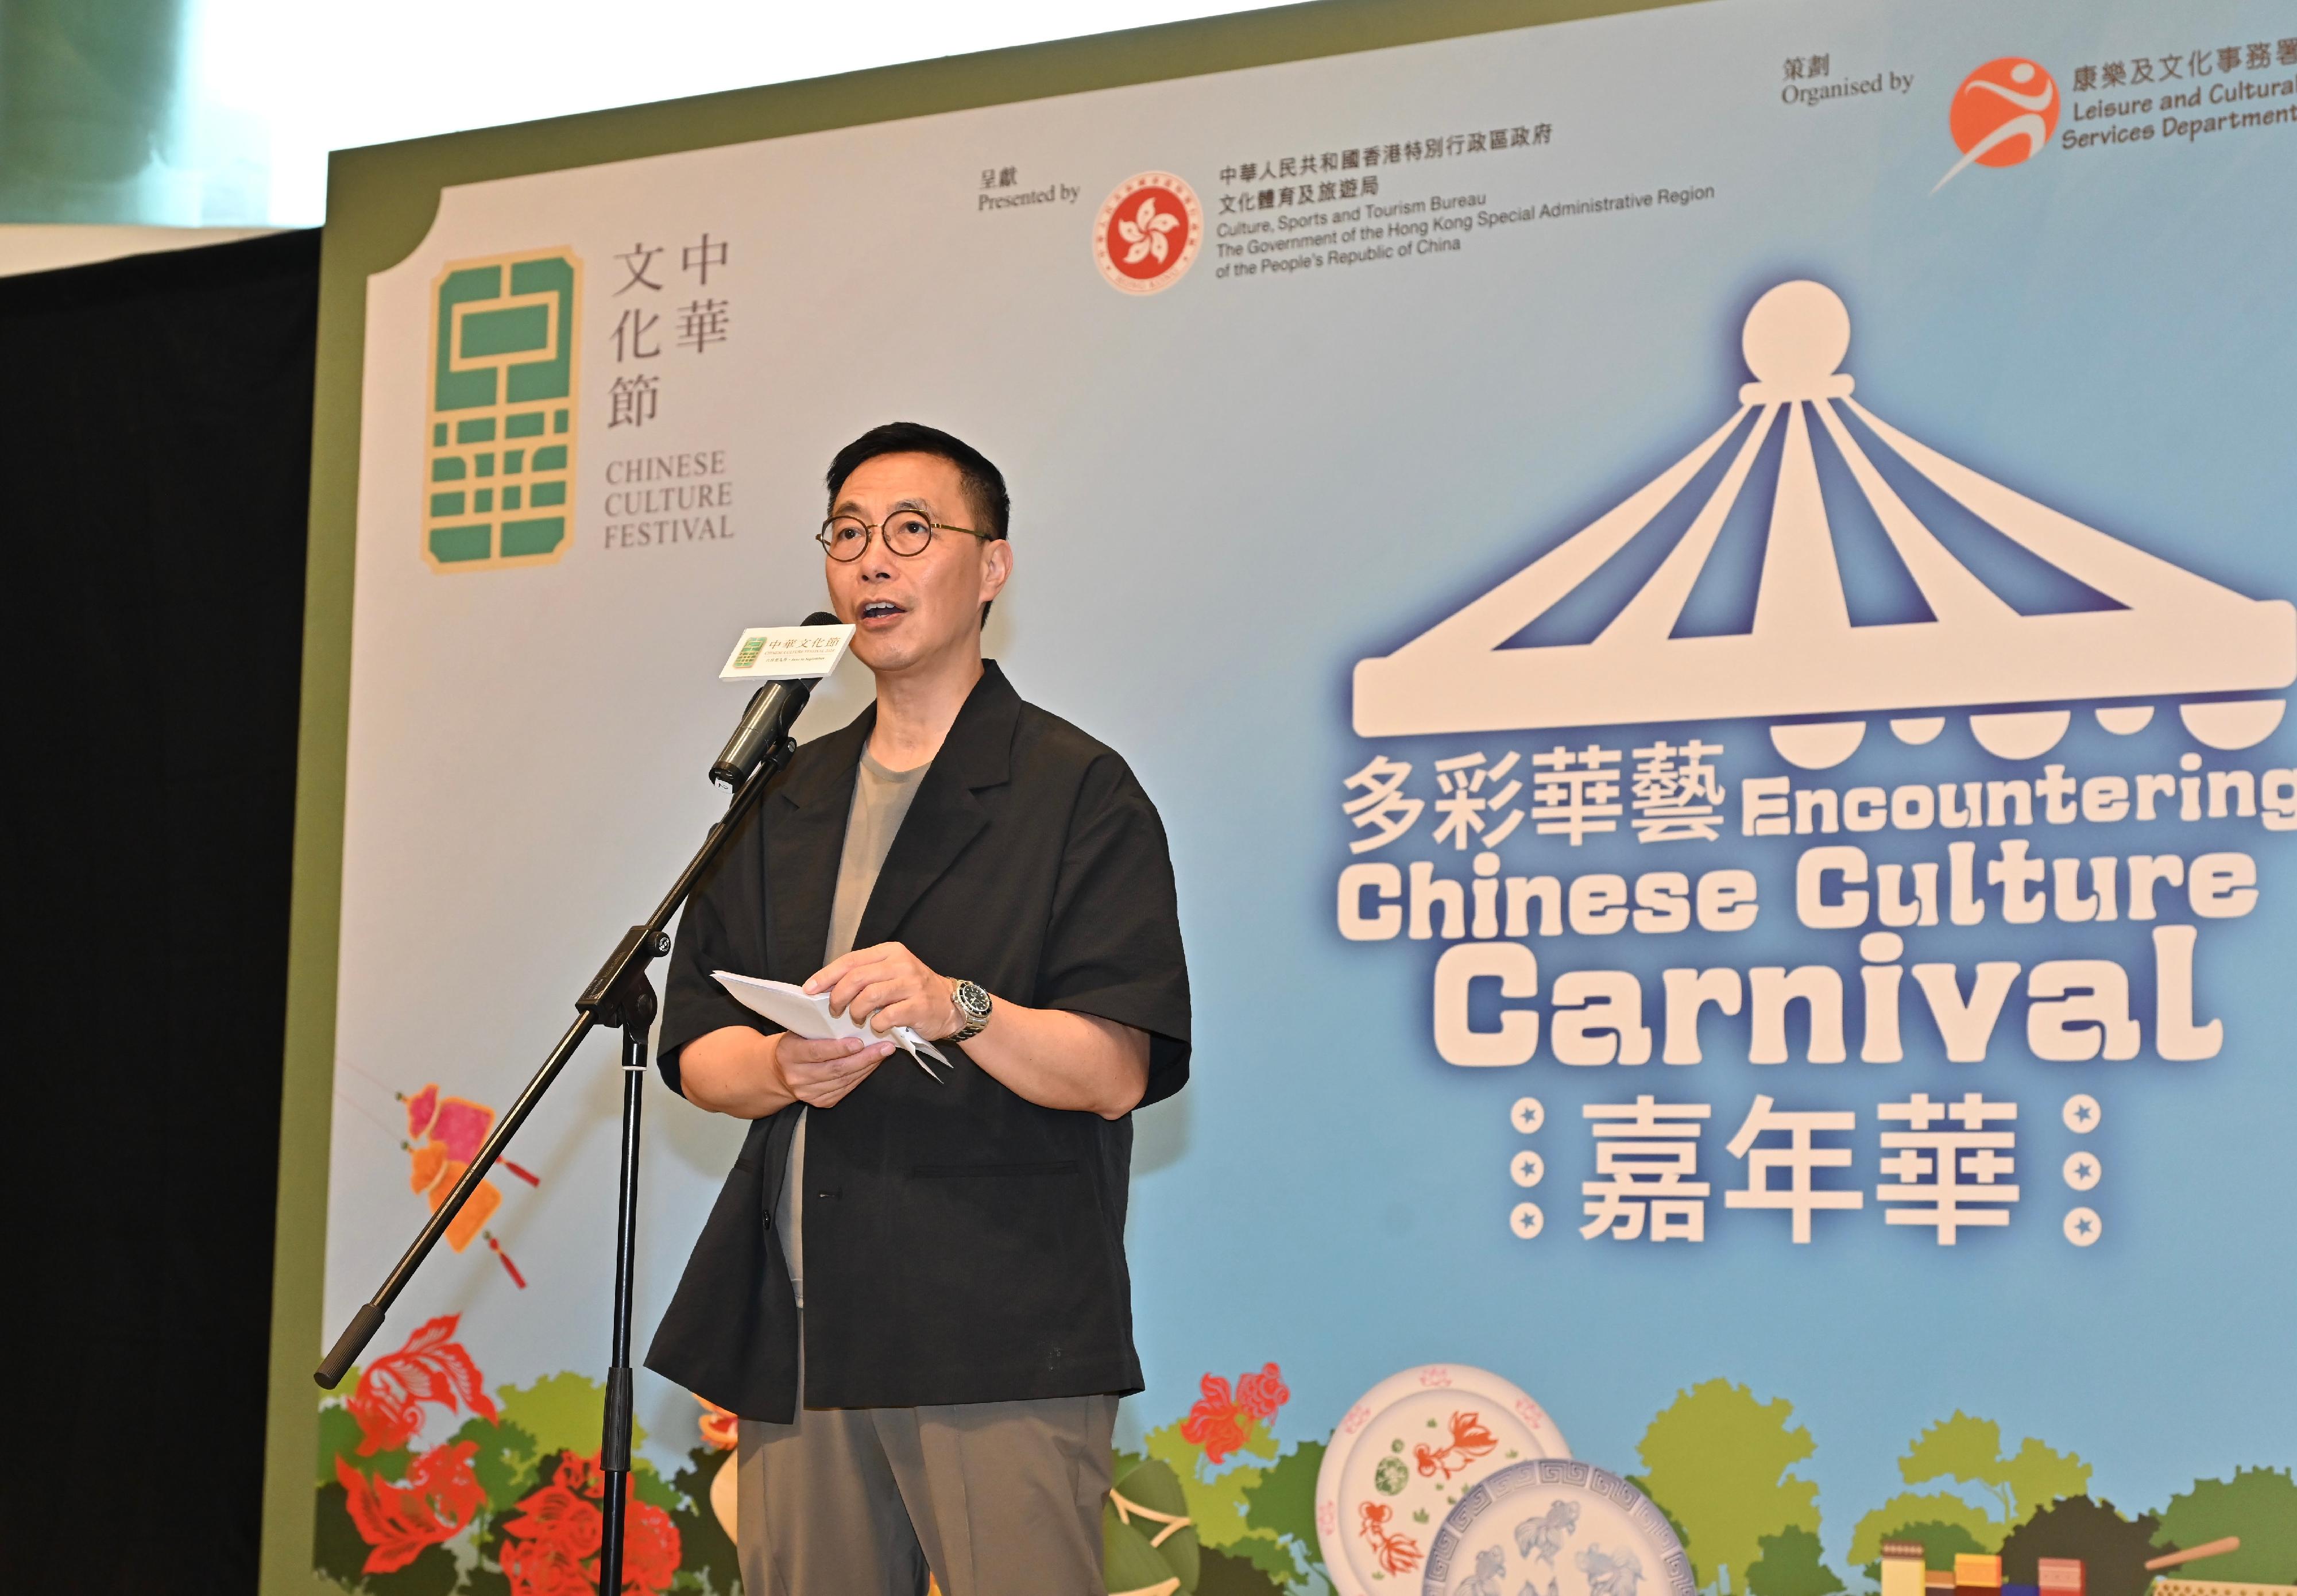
[[881, 799]]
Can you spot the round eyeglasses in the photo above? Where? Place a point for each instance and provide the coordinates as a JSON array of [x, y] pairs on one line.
[[907, 533]]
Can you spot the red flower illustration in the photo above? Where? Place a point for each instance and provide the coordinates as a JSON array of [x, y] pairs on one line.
[[1216, 1423], [1472, 1438], [1221, 1421], [551, 1549], [650, 1552], [1397, 1553], [1261, 1395], [431, 1367], [436, 1503]]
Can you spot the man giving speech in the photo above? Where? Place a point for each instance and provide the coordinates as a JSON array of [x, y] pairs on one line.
[[914, 1290]]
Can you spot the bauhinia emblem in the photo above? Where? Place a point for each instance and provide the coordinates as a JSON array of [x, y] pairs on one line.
[[1149, 233]]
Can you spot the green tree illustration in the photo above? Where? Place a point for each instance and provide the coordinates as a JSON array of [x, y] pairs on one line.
[[560, 1412], [707, 1556], [1970, 1450], [1227, 1576], [1248, 1513], [1898, 1519], [2112, 1548], [339, 1437], [504, 1451], [2259, 1505], [1219, 1501], [1284, 1504], [1791, 1566], [1968, 1453], [1715, 1460]]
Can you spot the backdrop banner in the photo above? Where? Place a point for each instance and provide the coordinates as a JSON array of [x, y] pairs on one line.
[[1706, 597]]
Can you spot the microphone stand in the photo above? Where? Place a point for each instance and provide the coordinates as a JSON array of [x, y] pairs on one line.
[[618, 995]]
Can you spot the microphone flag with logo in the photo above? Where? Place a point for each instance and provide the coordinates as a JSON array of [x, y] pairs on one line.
[[773, 710]]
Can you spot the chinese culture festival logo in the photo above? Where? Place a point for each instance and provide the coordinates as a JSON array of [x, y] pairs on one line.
[[497, 467], [1150, 230]]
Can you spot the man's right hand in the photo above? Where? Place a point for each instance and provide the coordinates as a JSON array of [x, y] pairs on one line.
[[741, 1071], [819, 1073]]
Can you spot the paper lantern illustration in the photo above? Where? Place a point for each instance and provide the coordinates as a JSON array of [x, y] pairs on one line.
[[1804, 665], [1977, 1573], [2059, 1575], [1902, 1568]]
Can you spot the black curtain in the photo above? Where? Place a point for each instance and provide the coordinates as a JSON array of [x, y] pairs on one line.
[[155, 425]]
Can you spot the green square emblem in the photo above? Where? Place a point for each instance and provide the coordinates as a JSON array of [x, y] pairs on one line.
[[504, 351]]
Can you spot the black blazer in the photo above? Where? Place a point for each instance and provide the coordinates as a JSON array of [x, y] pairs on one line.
[[961, 1243]]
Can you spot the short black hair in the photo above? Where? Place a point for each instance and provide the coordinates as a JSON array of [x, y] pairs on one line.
[[984, 484]]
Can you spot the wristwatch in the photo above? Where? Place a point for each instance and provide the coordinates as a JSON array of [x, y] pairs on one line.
[[973, 1005]]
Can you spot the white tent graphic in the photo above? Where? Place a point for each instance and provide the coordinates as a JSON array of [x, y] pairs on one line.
[[2176, 634]]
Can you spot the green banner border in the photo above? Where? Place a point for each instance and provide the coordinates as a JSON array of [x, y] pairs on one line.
[[380, 204]]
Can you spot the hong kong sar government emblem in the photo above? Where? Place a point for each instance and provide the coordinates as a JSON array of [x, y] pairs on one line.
[[1148, 234]]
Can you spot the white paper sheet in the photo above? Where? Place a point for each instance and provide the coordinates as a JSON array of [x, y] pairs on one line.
[[805, 1015]]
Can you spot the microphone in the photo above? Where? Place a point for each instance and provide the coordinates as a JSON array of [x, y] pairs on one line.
[[773, 710]]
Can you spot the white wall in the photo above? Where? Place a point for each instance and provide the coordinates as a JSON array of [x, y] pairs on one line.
[[279, 83]]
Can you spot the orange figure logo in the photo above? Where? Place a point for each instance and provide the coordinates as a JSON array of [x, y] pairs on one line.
[[2003, 113]]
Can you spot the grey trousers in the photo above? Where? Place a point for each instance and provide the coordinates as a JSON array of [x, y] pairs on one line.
[[996, 1499]]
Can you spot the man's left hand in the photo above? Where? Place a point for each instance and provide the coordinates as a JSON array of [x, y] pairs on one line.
[[887, 985]]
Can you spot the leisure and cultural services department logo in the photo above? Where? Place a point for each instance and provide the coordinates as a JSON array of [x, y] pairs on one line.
[[1149, 231], [2002, 114], [500, 457]]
